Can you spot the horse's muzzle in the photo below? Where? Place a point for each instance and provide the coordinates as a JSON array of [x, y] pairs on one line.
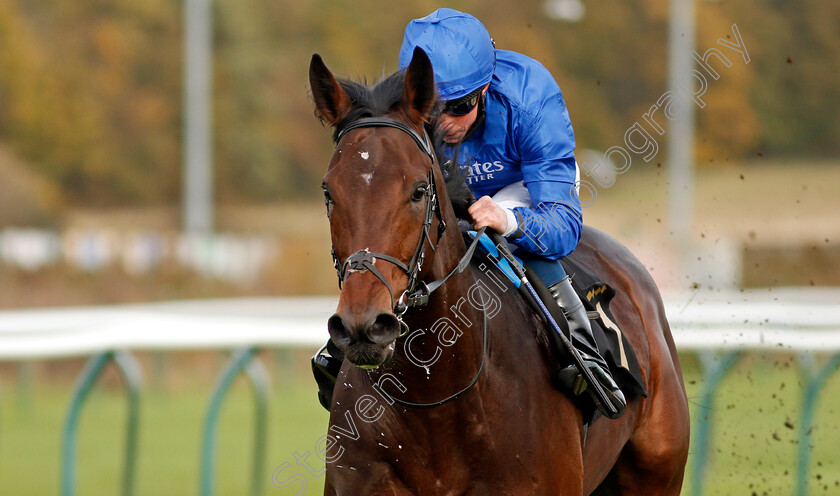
[[366, 344]]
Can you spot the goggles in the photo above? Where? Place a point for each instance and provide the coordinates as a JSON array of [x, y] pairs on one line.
[[463, 105]]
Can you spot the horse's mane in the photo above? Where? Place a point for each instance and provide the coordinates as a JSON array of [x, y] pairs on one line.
[[456, 182], [379, 99]]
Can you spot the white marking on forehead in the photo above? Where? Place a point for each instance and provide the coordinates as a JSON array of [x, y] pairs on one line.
[[366, 176], [364, 155]]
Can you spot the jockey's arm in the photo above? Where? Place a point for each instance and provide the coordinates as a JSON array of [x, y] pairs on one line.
[[551, 224], [551, 229], [542, 214]]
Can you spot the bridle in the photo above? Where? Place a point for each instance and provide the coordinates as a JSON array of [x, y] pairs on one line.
[[364, 260], [417, 294]]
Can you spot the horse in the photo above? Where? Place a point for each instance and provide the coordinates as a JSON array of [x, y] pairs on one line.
[[454, 397]]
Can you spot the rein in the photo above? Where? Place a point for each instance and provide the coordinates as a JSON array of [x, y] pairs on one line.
[[459, 393], [416, 295]]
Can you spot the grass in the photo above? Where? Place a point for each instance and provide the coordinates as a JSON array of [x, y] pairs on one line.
[[170, 436], [754, 440], [756, 417]]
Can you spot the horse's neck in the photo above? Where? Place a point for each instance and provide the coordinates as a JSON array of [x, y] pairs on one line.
[[455, 313], [452, 328], [444, 349]]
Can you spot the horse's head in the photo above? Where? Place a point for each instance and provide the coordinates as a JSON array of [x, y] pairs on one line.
[[381, 197]]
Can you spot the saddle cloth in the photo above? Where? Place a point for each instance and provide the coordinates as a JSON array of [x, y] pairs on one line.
[[612, 343]]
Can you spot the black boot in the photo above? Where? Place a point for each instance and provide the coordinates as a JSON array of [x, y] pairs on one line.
[[584, 342], [325, 367]]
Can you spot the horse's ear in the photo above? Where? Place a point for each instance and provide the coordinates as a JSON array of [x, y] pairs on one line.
[[331, 101], [419, 95]]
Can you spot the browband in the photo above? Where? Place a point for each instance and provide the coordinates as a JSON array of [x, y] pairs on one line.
[[423, 142]]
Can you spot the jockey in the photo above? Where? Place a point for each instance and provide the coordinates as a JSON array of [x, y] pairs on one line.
[[505, 116]]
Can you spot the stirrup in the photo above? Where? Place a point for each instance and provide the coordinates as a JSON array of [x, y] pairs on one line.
[[570, 379], [616, 397], [325, 369]]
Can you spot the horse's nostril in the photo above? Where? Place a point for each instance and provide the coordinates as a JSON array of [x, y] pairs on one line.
[[384, 329], [338, 331]]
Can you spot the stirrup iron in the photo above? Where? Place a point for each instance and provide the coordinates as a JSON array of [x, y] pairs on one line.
[[325, 369]]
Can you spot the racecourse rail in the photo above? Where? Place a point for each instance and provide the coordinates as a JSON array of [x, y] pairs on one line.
[[719, 326]]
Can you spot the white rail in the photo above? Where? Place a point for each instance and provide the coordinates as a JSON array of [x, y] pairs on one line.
[[789, 319]]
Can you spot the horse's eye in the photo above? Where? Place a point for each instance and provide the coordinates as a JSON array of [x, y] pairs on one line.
[[419, 192], [328, 201]]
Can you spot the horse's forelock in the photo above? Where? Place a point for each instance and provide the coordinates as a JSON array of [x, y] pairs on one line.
[[371, 101]]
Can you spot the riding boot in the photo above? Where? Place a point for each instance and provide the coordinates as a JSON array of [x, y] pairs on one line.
[[325, 367], [584, 341]]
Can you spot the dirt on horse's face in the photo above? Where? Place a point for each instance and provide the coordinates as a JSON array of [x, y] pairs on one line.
[[375, 186]]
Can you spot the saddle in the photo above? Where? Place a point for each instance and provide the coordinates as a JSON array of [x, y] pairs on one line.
[[596, 296]]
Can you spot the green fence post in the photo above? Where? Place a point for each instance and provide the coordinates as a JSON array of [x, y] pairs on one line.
[[93, 368], [133, 380], [813, 385], [259, 379], [260, 383], [715, 366]]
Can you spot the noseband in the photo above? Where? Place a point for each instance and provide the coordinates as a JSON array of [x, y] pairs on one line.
[[364, 260]]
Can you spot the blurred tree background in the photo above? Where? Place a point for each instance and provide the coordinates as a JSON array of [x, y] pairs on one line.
[[91, 90]]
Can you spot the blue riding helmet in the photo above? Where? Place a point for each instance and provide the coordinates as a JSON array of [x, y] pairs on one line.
[[459, 46]]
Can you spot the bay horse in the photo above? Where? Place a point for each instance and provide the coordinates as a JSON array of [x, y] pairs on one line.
[[475, 354]]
